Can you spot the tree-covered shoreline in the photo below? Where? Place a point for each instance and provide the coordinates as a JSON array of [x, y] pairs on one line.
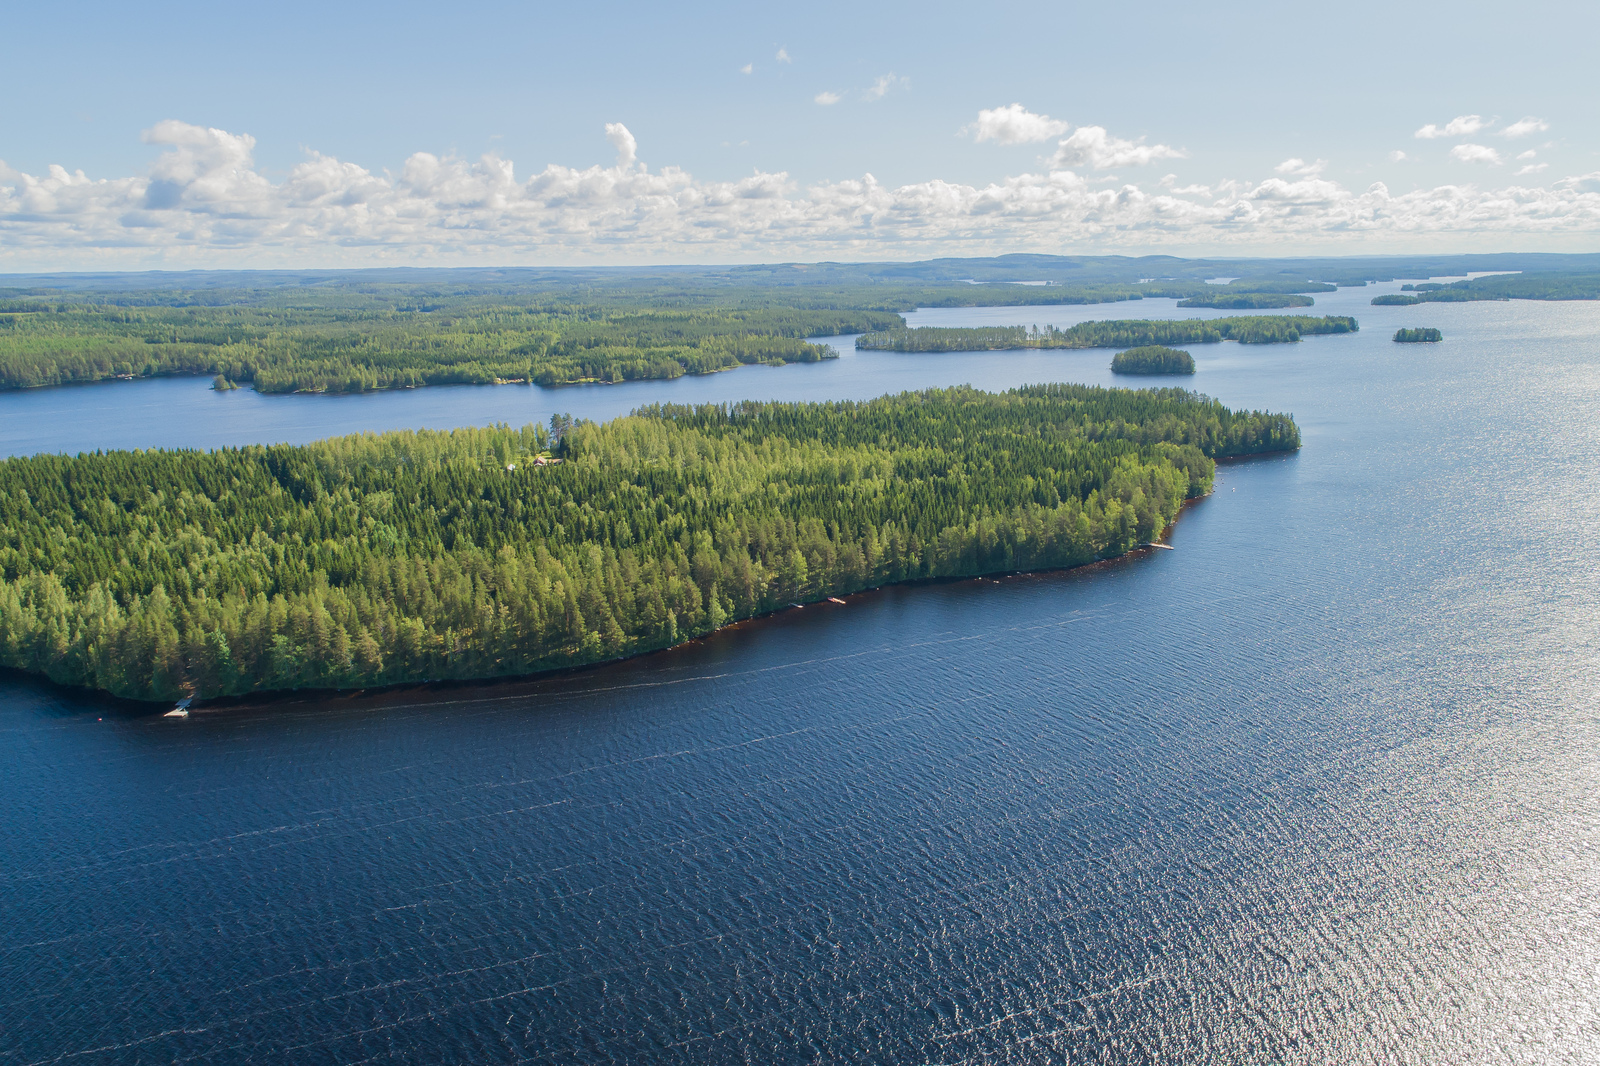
[[1116, 333], [394, 558], [1418, 336], [1553, 286], [329, 337], [1153, 359], [1240, 301]]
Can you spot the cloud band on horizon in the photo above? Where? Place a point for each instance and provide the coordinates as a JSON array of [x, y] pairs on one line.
[[203, 202]]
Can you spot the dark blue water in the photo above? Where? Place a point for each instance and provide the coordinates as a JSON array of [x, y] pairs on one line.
[[1322, 785]]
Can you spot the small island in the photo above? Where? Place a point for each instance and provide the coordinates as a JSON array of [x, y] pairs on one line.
[[1240, 301], [1153, 359], [1418, 336], [395, 558]]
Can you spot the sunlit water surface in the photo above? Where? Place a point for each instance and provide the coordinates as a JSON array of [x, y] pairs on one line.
[[1322, 785]]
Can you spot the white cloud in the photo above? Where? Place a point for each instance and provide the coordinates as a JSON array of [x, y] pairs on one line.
[[783, 56], [1525, 126], [1299, 166], [1532, 168], [1015, 124], [827, 99], [1583, 183], [747, 68], [623, 141], [1397, 156], [1529, 154], [1092, 146], [1460, 126], [881, 86], [203, 202], [1475, 153]]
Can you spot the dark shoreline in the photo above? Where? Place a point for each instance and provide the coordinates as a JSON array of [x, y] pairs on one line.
[[131, 708]]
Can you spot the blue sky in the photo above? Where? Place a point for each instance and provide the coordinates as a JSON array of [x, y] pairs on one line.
[[773, 163]]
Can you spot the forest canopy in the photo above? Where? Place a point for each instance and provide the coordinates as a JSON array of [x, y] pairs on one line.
[[341, 349], [382, 559], [1551, 286], [1125, 333], [1417, 336], [350, 336], [1240, 301], [1153, 359]]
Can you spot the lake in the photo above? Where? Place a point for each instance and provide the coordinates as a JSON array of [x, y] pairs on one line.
[[1322, 785]]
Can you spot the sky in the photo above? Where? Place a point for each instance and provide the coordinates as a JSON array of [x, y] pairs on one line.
[[176, 135]]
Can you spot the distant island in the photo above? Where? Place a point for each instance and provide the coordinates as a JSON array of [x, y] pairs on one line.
[[1245, 300], [1551, 286], [1125, 333], [381, 559], [1418, 336], [1152, 359]]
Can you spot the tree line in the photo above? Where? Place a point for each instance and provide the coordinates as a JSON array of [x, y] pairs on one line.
[[398, 557], [354, 337], [1552, 286], [1152, 359], [1123, 333], [336, 349]]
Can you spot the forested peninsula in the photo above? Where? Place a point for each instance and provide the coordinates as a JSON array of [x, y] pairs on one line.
[[355, 333], [1550, 286], [1125, 333], [392, 558], [356, 349]]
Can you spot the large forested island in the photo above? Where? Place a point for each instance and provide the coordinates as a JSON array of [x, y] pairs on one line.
[[383, 559], [1551, 286], [1121, 333]]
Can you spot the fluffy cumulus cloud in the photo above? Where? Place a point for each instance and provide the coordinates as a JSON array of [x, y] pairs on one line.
[[1092, 146], [1476, 153], [1523, 127], [1300, 168], [1460, 126], [1088, 146], [1015, 124], [203, 202]]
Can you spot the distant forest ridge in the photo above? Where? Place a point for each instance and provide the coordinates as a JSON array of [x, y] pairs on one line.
[[1555, 286], [355, 331], [1057, 269], [1117, 333]]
